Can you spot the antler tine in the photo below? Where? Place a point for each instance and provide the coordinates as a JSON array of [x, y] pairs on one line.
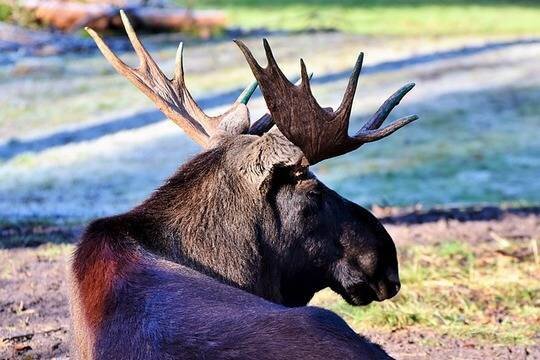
[[115, 61], [140, 50], [272, 64], [345, 107], [272, 69], [207, 122], [253, 64], [304, 77], [369, 132], [384, 110], [269, 55], [192, 128], [364, 136], [244, 97], [171, 96], [179, 63]]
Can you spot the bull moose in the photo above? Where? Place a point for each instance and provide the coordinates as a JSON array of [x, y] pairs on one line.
[[218, 262]]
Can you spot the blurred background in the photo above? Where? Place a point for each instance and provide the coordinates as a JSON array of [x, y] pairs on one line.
[[459, 189]]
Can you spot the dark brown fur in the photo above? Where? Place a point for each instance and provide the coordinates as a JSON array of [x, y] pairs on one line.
[[278, 233], [151, 308], [277, 242]]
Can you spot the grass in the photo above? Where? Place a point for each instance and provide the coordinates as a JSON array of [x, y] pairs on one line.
[[385, 17], [476, 141], [488, 159], [57, 91], [5, 12], [486, 292], [371, 17], [54, 250]]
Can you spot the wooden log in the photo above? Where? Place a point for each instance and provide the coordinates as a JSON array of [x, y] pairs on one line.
[[177, 19], [71, 16]]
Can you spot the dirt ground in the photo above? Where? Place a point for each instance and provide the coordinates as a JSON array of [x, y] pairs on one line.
[[34, 308]]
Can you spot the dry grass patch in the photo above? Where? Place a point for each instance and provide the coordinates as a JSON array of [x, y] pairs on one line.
[[488, 292]]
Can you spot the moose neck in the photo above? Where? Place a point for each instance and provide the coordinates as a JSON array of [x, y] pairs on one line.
[[205, 219]]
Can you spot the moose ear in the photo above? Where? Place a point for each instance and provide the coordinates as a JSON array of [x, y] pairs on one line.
[[233, 122], [268, 152], [236, 120]]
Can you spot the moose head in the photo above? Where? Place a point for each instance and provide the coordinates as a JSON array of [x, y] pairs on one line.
[[247, 210]]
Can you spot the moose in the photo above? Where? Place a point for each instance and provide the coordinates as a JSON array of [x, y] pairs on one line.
[[219, 261]]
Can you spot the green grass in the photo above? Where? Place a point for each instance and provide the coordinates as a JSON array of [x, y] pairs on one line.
[[385, 17], [487, 292], [5, 12]]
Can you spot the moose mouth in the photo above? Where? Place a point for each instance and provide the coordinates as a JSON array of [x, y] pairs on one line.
[[359, 294]]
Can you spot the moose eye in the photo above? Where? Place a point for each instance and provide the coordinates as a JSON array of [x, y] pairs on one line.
[[314, 194], [300, 175]]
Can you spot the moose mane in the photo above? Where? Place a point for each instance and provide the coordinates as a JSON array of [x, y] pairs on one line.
[[190, 219]]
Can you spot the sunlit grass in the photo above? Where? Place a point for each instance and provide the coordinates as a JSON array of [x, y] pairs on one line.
[[5, 11], [51, 251], [487, 291], [384, 17]]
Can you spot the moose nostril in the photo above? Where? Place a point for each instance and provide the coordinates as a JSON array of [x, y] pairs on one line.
[[390, 289], [387, 289], [394, 287]]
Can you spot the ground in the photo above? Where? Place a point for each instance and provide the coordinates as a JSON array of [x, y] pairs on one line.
[[450, 272]]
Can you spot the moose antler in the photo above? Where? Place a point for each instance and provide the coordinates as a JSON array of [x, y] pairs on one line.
[[319, 132], [171, 96], [265, 122]]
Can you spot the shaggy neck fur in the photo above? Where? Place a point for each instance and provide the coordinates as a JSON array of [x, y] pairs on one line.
[[205, 217]]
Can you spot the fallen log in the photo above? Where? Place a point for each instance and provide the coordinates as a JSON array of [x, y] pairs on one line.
[[102, 15], [71, 16], [177, 19]]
